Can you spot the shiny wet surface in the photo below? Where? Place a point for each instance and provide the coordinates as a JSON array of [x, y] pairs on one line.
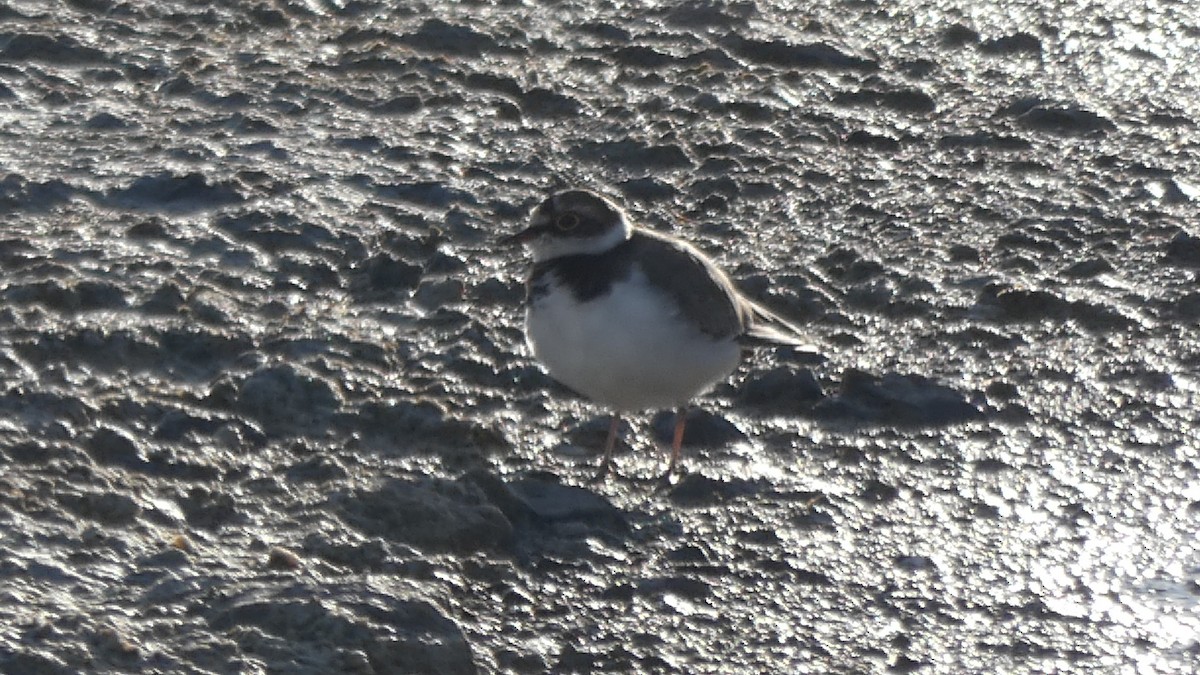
[[267, 406]]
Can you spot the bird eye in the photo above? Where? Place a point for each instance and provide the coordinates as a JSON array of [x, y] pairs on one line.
[[567, 221]]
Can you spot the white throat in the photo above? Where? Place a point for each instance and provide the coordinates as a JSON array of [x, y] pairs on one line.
[[550, 246]]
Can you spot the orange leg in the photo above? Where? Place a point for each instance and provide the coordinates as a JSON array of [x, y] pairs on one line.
[[677, 440], [609, 444]]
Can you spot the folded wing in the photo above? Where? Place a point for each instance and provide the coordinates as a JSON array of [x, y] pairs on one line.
[[710, 300]]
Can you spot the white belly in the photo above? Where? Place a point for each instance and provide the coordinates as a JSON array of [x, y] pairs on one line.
[[626, 350]]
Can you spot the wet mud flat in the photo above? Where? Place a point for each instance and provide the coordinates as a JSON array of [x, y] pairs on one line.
[[266, 406]]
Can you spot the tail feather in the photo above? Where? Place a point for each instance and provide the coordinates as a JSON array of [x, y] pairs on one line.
[[766, 328]]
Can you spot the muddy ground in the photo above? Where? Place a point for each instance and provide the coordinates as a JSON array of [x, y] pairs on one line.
[[266, 405]]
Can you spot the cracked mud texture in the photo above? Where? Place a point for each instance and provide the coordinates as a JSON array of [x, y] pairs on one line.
[[266, 406]]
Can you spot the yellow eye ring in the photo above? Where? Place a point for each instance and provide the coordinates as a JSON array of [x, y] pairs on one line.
[[567, 221]]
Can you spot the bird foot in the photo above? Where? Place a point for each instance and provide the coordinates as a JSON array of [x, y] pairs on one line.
[[671, 477], [602, 472]]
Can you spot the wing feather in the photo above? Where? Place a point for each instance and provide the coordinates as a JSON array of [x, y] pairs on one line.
[[710, 299]]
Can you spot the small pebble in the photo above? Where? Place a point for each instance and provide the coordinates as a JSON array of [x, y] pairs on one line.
[[281, 558]]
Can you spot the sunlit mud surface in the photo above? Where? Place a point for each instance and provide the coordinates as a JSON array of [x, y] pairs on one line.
[[266, 404]]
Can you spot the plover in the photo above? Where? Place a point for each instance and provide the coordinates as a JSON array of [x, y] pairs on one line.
[[630, 318]]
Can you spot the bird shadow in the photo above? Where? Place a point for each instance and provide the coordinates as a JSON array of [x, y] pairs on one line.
[[861, 399], [895, 399], [552, 520]]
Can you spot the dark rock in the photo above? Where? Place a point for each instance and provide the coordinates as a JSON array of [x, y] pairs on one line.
[[695, 489], [959, 35], [814, 520], [276, 232], [174, 194], [1184, 250], [906, 664], [781, 390], [574, 660], [1187, 307], [106, 122], [1175, 191], [403, 416], [706, 14], [591, 433], [810, 577], [1011, 241], [689, 554], [42, 411], [900, 100], [502, 496], [605, 30], [384, 273], [791, 55], [180, 85], [170, 558], [1100, 318], [425, 193], [356, 554], [876, 295], [649, 189], [554, 502], [1022, 304], [541, 103], [878, 492], [433, 294], [203, 350], [413, 424], [498, 292], [99, 295], [984, 139], [1012, 304], [1017, 43], [1065, 121], [432, 515], [397, 635], [521, 663], [112, 508], [640, 56], [110, 446], [907, 400], [499, 83], [285, 399], [687, 587], [914, 563], [316, 469], [166, 299], [633, 154], [441, 262], [990, 465], [115, 350], [872, 141], [440, 37], [1058, 119], [60, 49], [703, 429], [1018, 263], [51, 294], [723, 185], [209, 509], [403, 104], [39, 662], [964, 253], [1086, 269], [1000, 390], [32, 452]]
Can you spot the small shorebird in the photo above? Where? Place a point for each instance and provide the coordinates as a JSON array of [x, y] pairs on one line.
[[630, 318]]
